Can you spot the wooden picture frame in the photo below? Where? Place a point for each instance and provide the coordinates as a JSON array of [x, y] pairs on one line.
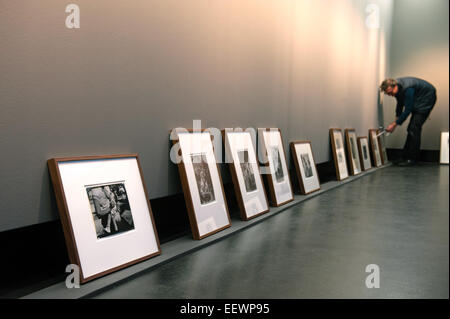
[[305, 166], [375, 148], [338, 150], [244, 168], [352, 151], [444, 151], [275, 166], [382, 145], [201, 183], [105, 212], [364, 153]]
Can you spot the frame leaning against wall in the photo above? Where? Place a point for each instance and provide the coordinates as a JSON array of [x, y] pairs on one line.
[[308, 184], [280, 192], [352, 151], [366, 163], [251, 195], [201, 182], [338, 151], [375, 148], [98, 248]]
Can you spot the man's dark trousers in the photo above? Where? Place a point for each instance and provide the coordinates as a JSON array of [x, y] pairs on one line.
[[412, 146]]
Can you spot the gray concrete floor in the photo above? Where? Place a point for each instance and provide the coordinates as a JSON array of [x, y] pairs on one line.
[[396, 218]]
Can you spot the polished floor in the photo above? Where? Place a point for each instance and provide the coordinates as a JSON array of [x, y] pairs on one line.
[[396, 218]]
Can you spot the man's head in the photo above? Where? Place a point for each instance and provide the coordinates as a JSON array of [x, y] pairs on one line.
[[389, 87]]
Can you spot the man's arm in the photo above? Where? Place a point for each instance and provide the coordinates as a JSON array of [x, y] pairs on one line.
[[398, 109], [409, 103]]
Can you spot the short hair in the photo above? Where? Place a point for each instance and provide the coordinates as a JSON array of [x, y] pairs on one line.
[[388, 83]]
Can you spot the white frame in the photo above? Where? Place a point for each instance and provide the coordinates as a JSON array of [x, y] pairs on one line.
[[307, 184], [99, 256], [208, 218], [366, 162], [355, 163], [251, 203], [280, 191], [341, 166], [443, 152], [375, 148], [382, 144]]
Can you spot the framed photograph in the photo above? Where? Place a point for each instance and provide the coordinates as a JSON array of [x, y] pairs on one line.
[[444, 148], [375, 148], [275, 167], [382, 144], [305, 166], [245, 172], [105, 212], [201, 183], [352, 151], [364, 154], [337, 147]]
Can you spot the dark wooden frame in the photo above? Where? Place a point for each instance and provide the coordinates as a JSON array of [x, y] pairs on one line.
[[384, 160], [372, 148], [361, 155], [66, 222], [273, 199], [333, 148], [297, 166], [237, 188], [349, 150], [187, 191]]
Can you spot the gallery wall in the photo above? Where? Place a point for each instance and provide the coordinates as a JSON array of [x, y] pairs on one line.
[[136, 69], [419, 47]]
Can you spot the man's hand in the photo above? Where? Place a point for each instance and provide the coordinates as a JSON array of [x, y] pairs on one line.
[[391, 127]]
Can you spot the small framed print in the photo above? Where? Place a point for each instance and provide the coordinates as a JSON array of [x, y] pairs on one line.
[[245, 172], [382, 145], [201, 183], [105, 212], [305, 166], [364, 154], [375, 148], [352, 151], [444, 148], [274, 159], [337, 147]]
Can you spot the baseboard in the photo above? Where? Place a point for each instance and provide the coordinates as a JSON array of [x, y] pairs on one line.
[[431, 156]]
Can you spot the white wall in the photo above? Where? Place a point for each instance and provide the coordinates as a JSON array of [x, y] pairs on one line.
[[138, 68]]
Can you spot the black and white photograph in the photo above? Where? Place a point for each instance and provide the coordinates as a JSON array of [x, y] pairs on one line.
[[353, 146], [364, 148], [338, 143], [203, 178], [110, 209], [247, 171], [340, 156], [363, 151], [306, 165], [276, 161]]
